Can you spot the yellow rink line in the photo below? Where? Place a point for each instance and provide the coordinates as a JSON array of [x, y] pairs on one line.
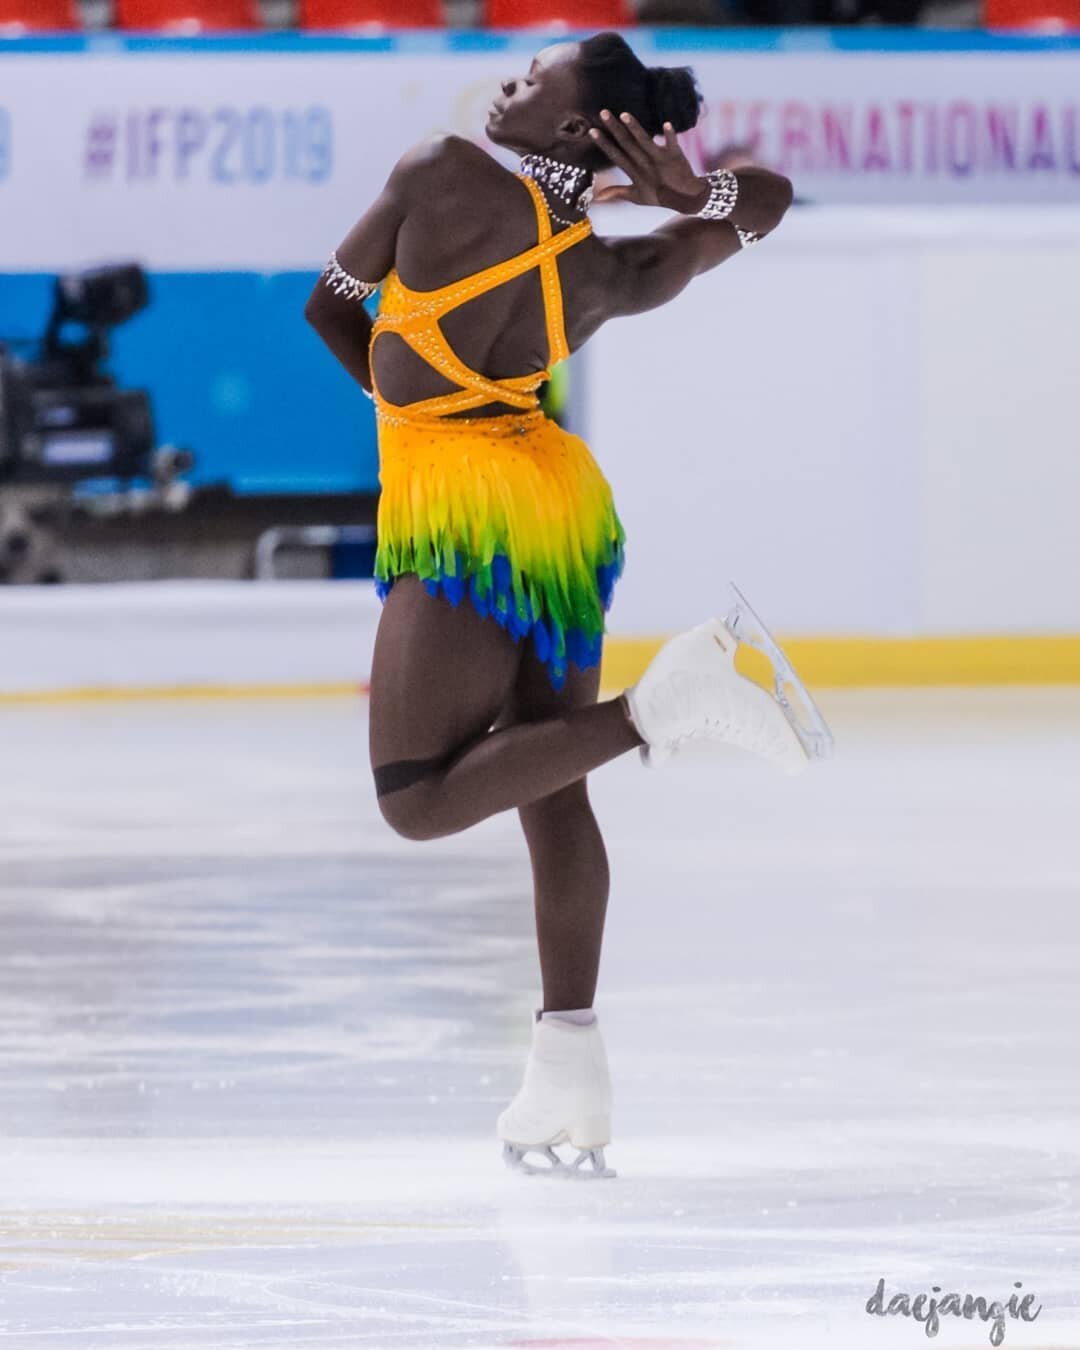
[[840, 661], [822, 662], [186, 692]]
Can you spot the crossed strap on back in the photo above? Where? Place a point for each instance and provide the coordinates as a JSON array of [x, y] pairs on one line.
[[418, 323]]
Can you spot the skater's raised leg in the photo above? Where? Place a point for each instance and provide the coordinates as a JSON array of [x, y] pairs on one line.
[[441, 677]]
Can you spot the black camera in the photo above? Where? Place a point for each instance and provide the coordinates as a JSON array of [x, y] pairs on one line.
[[62, 418]]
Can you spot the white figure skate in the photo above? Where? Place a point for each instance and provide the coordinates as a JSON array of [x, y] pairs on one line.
[[691, 692], [564, 1098]]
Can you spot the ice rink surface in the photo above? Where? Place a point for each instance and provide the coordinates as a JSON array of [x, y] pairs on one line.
[[253, 1045]]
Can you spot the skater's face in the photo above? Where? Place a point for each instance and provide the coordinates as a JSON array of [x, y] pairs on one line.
[[540, 112]]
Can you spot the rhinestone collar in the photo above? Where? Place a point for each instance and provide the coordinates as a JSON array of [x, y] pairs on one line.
[[570, 182]]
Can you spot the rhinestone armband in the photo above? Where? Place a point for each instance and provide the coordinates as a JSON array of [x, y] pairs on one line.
[[723, 194], [341, 283]]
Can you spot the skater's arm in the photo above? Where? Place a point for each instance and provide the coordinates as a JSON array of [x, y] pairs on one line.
[[653, 268], [366, 254]]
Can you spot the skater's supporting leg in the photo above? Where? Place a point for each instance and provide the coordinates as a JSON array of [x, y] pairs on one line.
[[569, 862], [570, 878], [440, 677]]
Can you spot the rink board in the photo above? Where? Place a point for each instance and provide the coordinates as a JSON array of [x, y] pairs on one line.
[[192, 639]]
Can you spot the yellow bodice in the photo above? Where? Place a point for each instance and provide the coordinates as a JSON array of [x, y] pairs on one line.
[[415, 316]]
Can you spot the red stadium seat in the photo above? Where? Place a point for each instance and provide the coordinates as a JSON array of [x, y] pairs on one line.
[[559, 14], [1040, 16], [371, 14], [188, 16], [36, 16]]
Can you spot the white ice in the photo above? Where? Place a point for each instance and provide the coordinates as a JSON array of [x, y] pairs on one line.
[[253, 1045]]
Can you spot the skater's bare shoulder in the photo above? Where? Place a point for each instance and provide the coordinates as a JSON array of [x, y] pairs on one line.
[[440, 164], [426, 172], [430, 163]]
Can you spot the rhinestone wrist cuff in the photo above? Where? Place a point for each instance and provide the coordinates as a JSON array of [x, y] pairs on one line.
[[342, 283], [723, 194], [746, 237]]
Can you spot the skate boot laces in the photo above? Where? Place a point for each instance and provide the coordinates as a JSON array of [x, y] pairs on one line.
[[738, 712]]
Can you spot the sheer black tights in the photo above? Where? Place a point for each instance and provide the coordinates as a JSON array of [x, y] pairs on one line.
[[464, 724]]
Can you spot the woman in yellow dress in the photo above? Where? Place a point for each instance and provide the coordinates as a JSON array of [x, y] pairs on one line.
[[499, 544]]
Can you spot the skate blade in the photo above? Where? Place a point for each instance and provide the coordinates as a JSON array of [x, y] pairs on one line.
[[553, 1166], [793, 696]]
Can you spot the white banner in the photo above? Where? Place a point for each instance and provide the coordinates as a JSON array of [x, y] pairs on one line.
[[262, 158]]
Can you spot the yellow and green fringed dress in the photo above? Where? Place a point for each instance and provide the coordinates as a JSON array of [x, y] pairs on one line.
[[510, 511]]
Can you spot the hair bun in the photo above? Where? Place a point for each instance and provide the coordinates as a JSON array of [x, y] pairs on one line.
[[675, 96]]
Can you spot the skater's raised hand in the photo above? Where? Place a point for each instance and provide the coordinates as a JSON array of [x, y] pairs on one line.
[[659, 173]]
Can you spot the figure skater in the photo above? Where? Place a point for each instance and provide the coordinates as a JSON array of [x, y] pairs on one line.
[[498, 541]]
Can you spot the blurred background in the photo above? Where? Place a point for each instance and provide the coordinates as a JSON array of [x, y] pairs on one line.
[[894, 470]]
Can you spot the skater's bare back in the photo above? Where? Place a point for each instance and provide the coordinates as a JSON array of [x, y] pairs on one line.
[[449, 210]]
